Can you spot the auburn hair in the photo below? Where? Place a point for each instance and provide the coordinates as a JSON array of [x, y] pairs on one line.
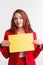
[[26, 21]]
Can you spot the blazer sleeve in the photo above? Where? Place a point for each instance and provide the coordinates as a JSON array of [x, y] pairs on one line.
[[37, 50], [5, 50]]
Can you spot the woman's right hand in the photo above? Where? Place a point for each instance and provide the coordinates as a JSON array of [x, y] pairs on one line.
[[5, 43]]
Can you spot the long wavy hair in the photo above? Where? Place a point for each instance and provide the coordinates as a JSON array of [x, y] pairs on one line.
[[26, 21]]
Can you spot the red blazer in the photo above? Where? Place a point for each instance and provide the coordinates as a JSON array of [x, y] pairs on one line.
[[13, 57]]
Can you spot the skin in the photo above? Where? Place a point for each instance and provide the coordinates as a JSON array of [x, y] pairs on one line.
[[18, 20]]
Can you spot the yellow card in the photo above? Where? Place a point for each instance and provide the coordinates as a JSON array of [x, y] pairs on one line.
[[21, 42]]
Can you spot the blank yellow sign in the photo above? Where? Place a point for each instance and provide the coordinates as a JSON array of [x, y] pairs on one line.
[[21, 42]]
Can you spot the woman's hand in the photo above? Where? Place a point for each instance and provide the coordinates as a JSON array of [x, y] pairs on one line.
[[38, 42], [5, 43]]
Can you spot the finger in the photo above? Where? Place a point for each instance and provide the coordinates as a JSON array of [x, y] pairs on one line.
[[5, 43], [37, 42]]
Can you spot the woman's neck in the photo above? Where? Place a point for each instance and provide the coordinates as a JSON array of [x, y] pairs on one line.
[[20, 31]]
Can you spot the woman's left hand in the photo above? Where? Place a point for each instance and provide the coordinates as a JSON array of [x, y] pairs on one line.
[[38, 42]]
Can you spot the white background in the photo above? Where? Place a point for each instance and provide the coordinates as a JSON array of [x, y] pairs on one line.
[[34, 9]]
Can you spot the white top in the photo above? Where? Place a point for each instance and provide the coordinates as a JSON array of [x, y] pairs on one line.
[[22, 54]]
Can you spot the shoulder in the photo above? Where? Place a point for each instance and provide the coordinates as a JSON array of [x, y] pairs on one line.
[[34, 33], [29, 31], [7, 32]]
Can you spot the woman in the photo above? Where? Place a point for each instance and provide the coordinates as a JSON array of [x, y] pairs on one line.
[[20, 24]]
